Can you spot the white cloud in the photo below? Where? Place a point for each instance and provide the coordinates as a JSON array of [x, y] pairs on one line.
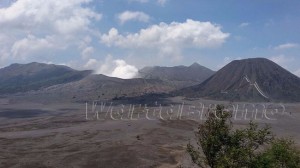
[[140, 1], [106, 67], [63, 16], [159, 2], [133, 16], [87, 52], [33, 25], [245, 24], [227, 60], [123, 70], [297, 72], [112, 67], [162, 2], [4, 49], [29, 44], [91, 64], [4, 54], [169, 39], [85, 42], [282, 60], [286, 46]]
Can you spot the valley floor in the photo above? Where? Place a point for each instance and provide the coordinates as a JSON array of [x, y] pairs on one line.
[[69, 134]]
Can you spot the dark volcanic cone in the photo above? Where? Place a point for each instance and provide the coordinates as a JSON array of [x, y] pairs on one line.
[[255, 79]]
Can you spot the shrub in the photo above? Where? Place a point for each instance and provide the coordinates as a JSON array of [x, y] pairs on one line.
[[220, 146]]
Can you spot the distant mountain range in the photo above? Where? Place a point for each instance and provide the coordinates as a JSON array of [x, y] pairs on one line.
[[34, 76], [94, 87], [179, 76], [255, 79]]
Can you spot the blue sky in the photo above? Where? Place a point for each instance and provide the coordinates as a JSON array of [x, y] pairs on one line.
[[117, 37]]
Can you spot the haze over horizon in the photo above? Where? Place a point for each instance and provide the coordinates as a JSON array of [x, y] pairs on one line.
[[117, 38]]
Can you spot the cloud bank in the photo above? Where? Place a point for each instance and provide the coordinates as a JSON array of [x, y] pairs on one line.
[[282, 60], [29, 26], [286, 46], [159, 2], [169, 39], [245, 24], [133, 16]]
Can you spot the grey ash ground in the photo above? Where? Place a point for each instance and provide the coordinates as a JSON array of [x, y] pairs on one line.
[[58, 135]]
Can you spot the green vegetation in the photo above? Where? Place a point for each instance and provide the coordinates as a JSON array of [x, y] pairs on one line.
[[221, 146]]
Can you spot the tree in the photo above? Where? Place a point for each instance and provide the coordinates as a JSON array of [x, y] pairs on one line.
[[221, 146], [212, 137], [282, 153]]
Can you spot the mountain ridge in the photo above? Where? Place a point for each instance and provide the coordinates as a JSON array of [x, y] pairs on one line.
[[181, 76], [254, 79], [34, 76], [263, 75]]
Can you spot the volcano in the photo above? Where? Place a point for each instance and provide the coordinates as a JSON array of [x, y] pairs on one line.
[[254, 79], [179, 76], [34, 76]]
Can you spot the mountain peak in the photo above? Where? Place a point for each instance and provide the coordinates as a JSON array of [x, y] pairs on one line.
[[252, 60], [253, 79], [181, 76], [195, 64]]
